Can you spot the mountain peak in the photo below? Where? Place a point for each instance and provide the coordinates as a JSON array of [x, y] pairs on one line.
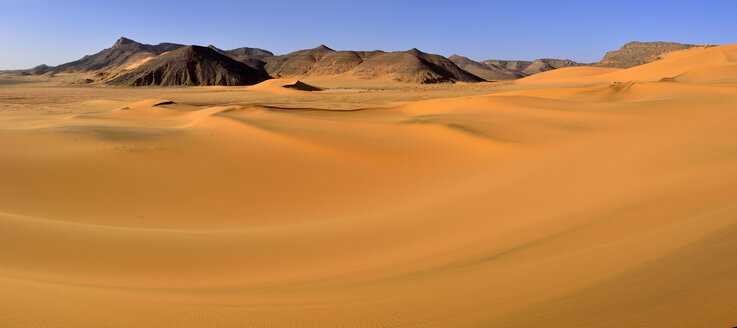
[[123, 41], [199, 50], [323, 47]]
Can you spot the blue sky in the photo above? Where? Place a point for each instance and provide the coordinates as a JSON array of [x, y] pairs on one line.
[[33, 32]]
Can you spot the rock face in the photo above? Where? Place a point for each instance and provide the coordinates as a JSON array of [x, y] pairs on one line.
[[638, 53], [191, 65], [486, 71], [122, 54]]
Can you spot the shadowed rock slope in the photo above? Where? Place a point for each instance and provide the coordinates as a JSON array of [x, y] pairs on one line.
[[191, 65]]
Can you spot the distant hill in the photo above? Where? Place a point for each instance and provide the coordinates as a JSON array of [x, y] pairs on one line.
[[40, 69], [246, 51], [191, 65], [638, 53], [317, 61], [253, 57], [512, 65], [493, 70], [489, 72], [406, 66], [412, 66], [547, 64]]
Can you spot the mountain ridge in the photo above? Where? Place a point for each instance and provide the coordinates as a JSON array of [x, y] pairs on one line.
[[412, 66]]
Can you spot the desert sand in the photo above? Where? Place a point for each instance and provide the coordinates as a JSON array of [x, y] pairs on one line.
[[558, 200]]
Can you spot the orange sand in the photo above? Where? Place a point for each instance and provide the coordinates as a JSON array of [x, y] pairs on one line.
[[559, 201]]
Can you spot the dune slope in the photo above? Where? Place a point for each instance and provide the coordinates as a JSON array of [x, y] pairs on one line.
[[697, 65]]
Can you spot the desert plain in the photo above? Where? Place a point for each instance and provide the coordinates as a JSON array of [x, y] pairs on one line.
[[576, 197]]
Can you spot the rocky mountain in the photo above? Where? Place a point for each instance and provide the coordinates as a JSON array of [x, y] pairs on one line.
[[412, 66], [191, 65], [317, 61], [128, 54], [406, 66], [129, 62], [638, 53], [124, 53]]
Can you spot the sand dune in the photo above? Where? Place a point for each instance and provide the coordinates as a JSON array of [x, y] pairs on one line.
[[687, 62], [561, 200], [637, 53]]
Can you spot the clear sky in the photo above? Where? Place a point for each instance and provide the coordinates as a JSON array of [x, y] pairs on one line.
[[33, 32]]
